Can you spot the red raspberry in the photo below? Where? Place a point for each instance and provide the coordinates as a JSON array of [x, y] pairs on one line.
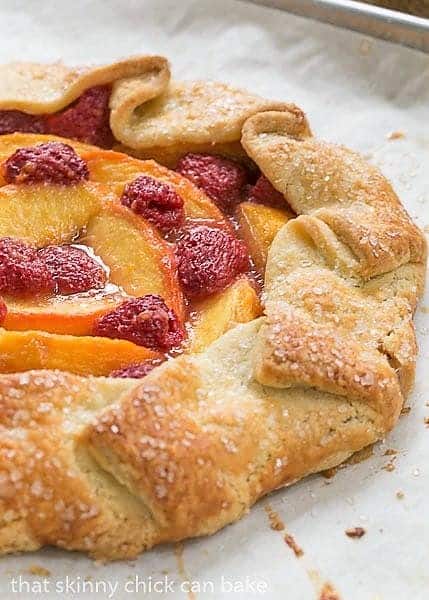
[[146, 321], [136, 371], [53, 162], [264, 193], [3, 311], [15, 120], [22, 272], [156, 201], [86, 119], [209, 259], [72, 269], [221, 179]]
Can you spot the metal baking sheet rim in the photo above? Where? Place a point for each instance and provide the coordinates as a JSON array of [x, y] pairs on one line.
[[378, 22]]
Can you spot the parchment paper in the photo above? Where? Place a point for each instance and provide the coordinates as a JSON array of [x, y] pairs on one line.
[[356, 91]]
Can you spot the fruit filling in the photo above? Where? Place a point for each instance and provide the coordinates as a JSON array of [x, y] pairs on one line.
[[3, 311], [156, 201], [85, 120], [72, 269], [146, 321], [53, 162], [15, 120], [263, 192], [209, 259], [223, 180], [22, 270], [102, 253]]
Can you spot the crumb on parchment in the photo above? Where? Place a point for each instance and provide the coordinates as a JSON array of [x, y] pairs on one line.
[[396, 135], [355, 532], [293, 545], [328, 592], [275, 521], [390, 452]]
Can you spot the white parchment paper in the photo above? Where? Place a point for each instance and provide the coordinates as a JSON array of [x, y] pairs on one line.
[[355, 91]]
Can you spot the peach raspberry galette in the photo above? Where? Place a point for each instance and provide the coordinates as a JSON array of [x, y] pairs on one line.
[[177, 342]]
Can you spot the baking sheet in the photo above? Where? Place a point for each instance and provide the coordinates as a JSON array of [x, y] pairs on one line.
[[370, 19], [357, 91]]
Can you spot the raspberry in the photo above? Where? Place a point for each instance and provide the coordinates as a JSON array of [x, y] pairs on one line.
[[137, 370], [209, 259], [72, 269], [264, 193], [86, 119], [156, 201], [3, 311], [146, 321], [22, 272], [53, 162], [221, 179], [15, 120]]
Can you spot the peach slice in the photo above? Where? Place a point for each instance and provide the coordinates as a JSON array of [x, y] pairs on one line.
[[117, 169], [26, 350], [73, 315], [238, 303], [140, 261], [45, 214], [258, 226]]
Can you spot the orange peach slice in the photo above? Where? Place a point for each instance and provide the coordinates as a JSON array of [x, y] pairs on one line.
[[258, 226], [140, 261], [118, 169], [45, 214], [73, 315], [26, 350], [239, 303]]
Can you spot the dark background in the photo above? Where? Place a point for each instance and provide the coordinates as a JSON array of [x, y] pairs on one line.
[[415, 7]]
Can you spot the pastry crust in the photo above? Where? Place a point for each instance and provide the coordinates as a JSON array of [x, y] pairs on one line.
[[38, 88], [195, 116], [181, 454], [112, 467], [150, 116], [332, 320]]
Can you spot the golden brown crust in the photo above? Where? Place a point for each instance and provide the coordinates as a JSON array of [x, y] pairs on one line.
[[294, 351], [180, 454], [45, 495], [191, 116], [202, 437], [150, 116], [39, 89], [337, 186], [342, 279]]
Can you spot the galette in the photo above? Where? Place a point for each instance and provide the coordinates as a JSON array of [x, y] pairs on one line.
[[200, 303]]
